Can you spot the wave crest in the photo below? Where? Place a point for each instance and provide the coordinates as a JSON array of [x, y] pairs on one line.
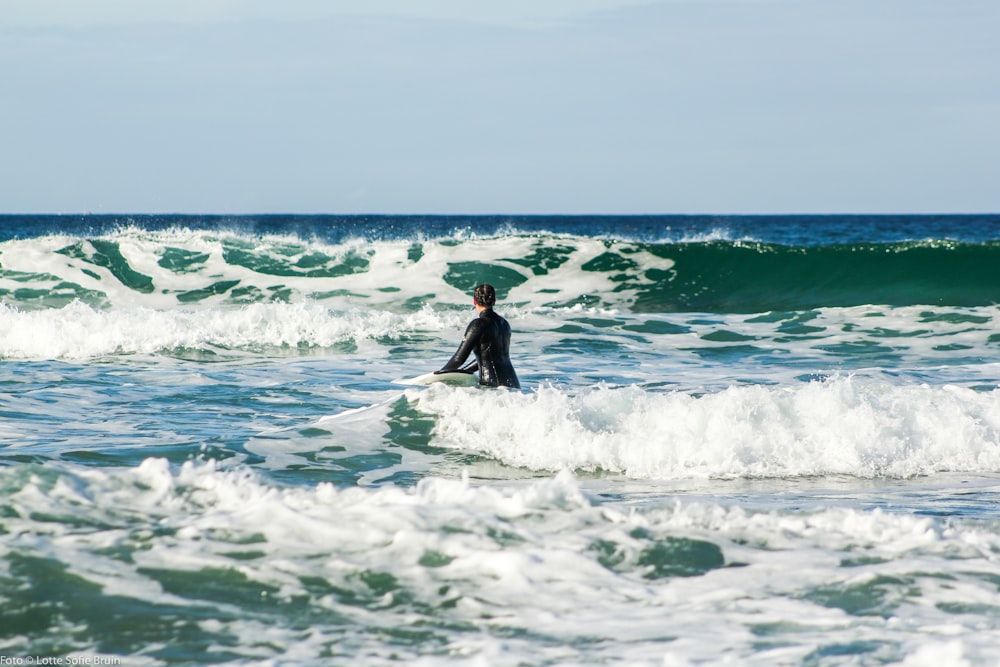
[[842, 426]]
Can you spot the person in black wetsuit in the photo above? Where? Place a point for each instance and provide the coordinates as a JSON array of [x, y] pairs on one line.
[[488, 336]]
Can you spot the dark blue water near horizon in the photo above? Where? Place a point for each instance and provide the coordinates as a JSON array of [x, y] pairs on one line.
[[786, 229]]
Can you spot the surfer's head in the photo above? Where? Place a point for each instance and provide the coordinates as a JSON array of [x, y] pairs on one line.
[[485, 296]]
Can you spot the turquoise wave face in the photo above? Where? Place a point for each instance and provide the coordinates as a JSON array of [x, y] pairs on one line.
[[182, 268], [743, 277]]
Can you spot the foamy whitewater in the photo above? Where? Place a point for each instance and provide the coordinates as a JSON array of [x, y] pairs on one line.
[[740, 441]]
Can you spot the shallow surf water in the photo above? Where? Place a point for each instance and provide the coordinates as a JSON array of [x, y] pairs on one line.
[[751, 441]]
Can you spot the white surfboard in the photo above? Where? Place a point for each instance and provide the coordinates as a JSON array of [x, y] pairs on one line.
[[362, 413], [456, 378]]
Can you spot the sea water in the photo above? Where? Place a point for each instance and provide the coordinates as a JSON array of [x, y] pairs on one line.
[[739, 441]]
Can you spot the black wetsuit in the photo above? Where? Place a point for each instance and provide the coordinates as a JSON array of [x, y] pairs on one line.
[[488, 336]]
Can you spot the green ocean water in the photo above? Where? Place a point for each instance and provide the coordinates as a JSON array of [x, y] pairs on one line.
[[743, 440]]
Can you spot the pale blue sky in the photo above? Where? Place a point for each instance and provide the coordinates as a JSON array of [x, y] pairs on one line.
[[452, 106]]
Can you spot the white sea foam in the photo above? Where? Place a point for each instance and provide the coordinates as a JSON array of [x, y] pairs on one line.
[[507, 576], [79, 331], [844, 426]]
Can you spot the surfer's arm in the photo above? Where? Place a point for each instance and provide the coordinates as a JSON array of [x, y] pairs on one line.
[[471, 368], [464, 350]]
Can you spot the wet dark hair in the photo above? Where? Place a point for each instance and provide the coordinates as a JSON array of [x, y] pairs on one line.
[[485, 295]]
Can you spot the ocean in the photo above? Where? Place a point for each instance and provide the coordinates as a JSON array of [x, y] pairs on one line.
[[742, 440]]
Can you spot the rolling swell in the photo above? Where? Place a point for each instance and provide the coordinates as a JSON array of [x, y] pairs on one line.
[[558, 270], [748, 277]]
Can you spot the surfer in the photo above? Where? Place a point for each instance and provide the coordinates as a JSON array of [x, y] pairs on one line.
[[488, 336]]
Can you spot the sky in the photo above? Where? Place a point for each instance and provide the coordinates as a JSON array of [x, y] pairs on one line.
[[519, 107]]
